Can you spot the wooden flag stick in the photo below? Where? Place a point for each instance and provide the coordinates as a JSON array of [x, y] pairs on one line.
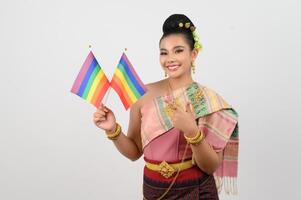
[[108, 93]]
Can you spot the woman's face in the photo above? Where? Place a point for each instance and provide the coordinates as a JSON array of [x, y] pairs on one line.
[[176, 56]]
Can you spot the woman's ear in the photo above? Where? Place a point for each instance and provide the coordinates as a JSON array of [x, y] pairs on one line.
[[194, 54]]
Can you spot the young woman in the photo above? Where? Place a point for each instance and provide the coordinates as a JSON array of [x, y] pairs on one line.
[[187, 133]]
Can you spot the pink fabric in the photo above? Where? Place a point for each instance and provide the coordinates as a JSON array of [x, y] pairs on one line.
[[169, 146], [226, 169], [218, 128], [151, 126], [218, 137]]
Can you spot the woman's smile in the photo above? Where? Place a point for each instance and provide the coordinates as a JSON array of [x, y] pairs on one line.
[[173, 67]]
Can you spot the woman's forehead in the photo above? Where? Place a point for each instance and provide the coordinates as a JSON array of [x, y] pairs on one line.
[[173, 40]]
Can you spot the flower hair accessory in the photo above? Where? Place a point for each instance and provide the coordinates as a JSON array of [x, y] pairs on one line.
[[197, 43], [187, 25]]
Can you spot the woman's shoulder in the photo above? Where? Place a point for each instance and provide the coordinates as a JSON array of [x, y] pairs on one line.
[[155, 85], [152, 89]]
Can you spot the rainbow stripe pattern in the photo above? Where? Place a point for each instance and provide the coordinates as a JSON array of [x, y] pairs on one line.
[[126, 82], [91, 83]]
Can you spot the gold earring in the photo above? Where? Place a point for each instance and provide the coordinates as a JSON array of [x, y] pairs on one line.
[[193, 67]]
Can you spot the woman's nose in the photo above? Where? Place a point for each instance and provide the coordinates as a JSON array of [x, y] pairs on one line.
[[170, 58]]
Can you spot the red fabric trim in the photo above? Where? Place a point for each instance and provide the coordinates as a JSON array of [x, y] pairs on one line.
[[158, 162], [188, 174]]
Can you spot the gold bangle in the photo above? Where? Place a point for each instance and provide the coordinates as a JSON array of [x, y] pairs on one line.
[[196, 139], [114, 135], [197, 135]]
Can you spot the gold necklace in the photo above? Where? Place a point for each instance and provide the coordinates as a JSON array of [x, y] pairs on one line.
[[172, 103], [175, 100], [171, 93], [171, 106]]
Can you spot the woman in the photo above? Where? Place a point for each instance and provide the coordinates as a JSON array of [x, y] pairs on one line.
[[187, 133]]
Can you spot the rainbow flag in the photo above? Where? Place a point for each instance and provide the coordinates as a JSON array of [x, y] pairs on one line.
[[91, 83], [126, 82]]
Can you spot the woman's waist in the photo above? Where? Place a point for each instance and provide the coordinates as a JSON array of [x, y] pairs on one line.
[[165, 172]]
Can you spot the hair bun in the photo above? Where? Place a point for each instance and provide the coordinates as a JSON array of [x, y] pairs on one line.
[[172, 24], [179, 23]]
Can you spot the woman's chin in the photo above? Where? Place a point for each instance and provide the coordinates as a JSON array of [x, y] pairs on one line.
[[174, 75]]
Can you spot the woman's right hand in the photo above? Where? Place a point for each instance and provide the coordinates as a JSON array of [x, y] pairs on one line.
[[105, 119]]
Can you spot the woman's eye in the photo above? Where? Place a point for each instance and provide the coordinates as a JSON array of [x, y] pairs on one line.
[[179, 50], [163, 53]]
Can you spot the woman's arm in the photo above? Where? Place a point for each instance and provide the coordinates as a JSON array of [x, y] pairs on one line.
[[128, 145], [204, 155]]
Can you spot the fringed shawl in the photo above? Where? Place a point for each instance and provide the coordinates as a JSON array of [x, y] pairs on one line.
[[215, 117]]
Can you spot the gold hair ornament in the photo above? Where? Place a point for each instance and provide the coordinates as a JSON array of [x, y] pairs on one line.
[[197, 44]]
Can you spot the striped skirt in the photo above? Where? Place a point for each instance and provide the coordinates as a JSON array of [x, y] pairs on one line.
[[191, 184]]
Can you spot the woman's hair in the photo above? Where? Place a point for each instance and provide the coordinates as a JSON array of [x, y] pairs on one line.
[[175, 24]]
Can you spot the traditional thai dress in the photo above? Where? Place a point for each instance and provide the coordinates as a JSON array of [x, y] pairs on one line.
[[164, 145]]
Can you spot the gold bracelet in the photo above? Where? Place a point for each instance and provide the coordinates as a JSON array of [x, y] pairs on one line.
[[114, 135], [196, 139]]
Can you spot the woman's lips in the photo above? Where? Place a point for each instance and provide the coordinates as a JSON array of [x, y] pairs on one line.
[[172, 67]]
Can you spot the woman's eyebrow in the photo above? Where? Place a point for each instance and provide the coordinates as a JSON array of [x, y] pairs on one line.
[[179, 46]]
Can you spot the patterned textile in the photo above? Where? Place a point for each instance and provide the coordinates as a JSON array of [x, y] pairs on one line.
[[191, 184], [215, 117]]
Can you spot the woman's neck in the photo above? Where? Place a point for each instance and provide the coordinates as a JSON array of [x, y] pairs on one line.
[[176, 83]]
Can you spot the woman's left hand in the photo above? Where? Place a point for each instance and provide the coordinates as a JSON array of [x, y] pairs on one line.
[[184, 120]]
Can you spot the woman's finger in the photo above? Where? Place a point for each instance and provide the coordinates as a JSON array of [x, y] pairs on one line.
[[100, 118], [99, 113], [95, 120], [188, 108], [106, 109], [100, 109], [103, 108], [98, 123], [178, 107]]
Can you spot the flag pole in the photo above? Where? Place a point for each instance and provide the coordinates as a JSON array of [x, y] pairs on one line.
[[105, 102]]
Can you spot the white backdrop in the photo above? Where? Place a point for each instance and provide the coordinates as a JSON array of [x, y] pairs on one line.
[[49, 147]]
